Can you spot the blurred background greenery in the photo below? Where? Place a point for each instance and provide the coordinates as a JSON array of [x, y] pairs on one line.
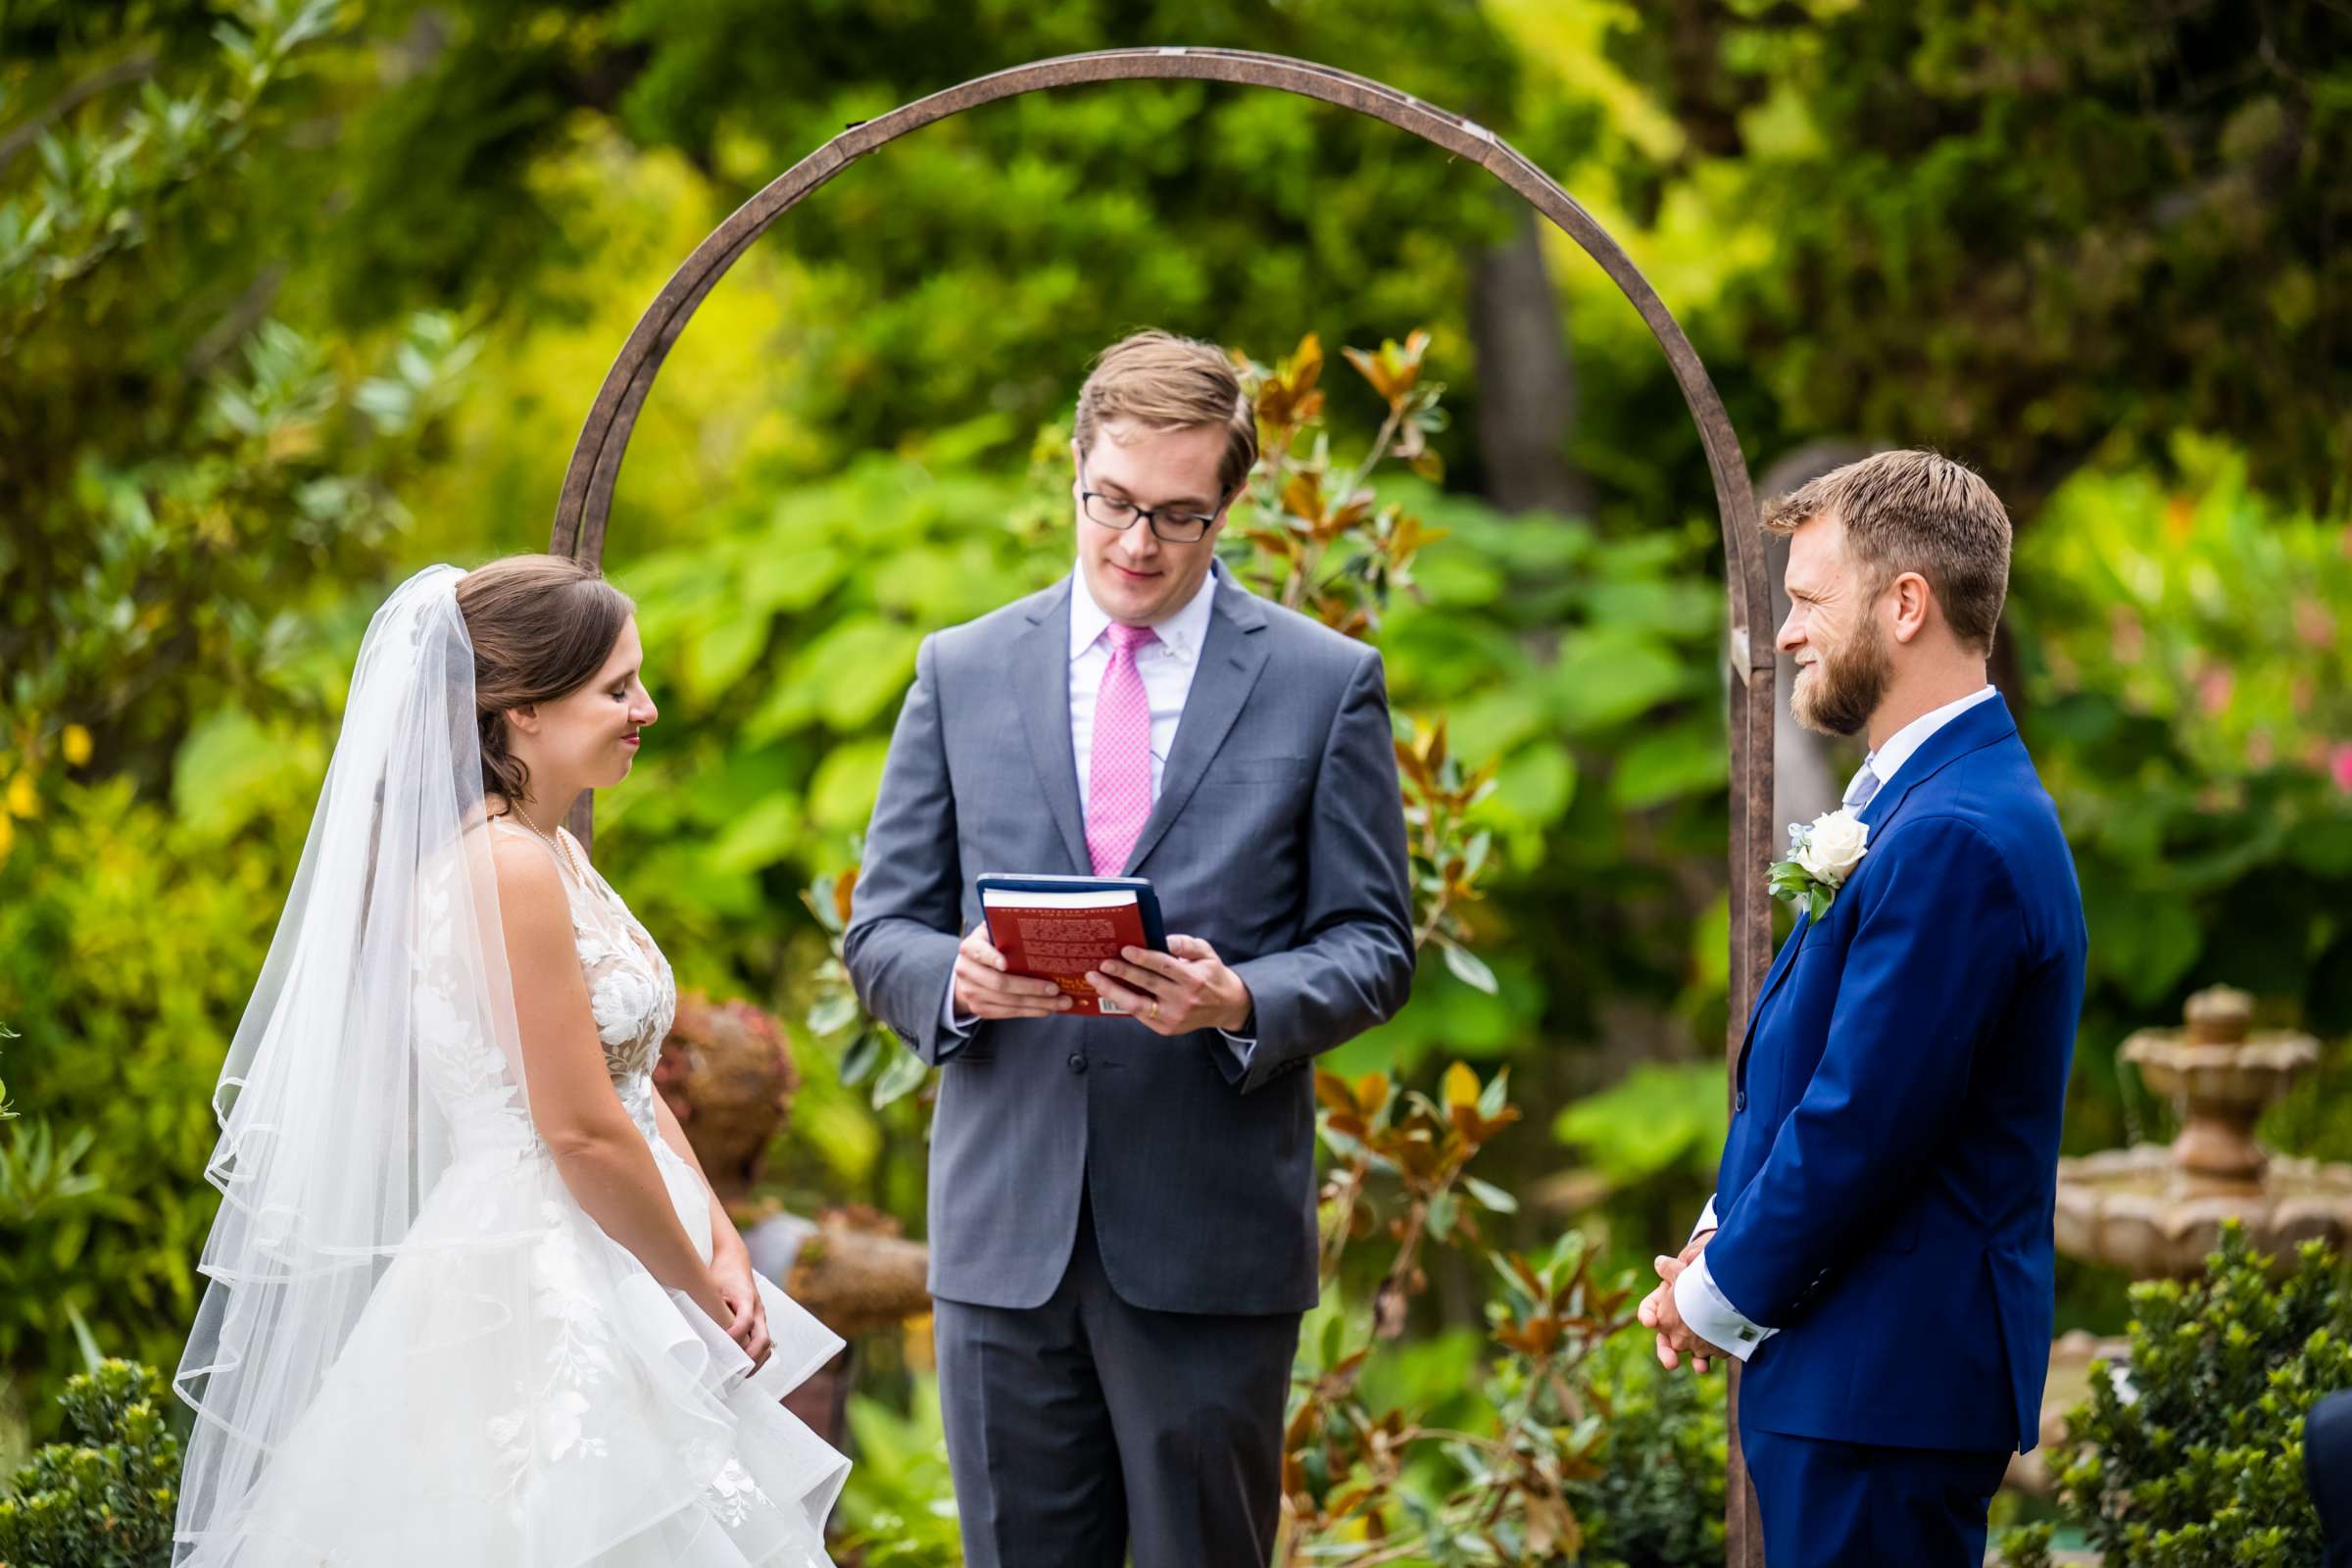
[[297, 296]]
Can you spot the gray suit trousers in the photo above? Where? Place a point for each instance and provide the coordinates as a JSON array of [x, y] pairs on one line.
[[1085, 1429]]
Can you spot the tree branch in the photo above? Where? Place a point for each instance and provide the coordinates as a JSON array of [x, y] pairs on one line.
[[121, 74]]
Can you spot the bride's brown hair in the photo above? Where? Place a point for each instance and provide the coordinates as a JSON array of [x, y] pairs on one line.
[[541, 628]]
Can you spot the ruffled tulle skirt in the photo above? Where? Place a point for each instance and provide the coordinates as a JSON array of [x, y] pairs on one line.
[[518, 1391]]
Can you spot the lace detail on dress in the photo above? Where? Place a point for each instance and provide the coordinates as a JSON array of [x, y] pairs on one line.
[[631, 992], [545, 1425]]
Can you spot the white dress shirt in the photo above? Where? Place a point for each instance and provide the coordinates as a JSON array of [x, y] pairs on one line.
[[1710, 1312], [1166, 665]]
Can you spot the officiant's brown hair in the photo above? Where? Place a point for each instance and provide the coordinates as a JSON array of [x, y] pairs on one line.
[[1165, 382], [540, 627], [1916, 512]]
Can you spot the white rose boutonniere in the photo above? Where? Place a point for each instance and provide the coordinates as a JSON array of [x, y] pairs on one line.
[[1820, 857]]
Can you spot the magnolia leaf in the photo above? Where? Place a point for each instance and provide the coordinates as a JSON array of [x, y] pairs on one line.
[[1491, 1099], [1468, 968], [1491, 1195], [862, 1057], [833, 1014], [904, 1072]]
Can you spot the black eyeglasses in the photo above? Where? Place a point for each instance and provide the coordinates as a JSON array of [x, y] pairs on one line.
[[1176, 527]]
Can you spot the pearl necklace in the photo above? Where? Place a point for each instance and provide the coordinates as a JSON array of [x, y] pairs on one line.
[[562, 846]]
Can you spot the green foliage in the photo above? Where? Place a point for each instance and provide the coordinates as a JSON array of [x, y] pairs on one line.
[[898, 1507], [2018, 230], [2197, 601], [129, 971], [2192, 1456], [1658, 1499], [2186, 666], [979, 262], [201, 508], [106, 1497], [175, 454], [97, 194], [1658, 1119], [1543, 1446]]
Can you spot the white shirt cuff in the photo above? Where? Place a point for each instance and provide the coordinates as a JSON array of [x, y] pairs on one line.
[[1243, 1046], [1706, 1222], [959, 1024], [1710, 1315]]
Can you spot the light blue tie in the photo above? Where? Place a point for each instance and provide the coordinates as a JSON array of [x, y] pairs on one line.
[[1864, 786]]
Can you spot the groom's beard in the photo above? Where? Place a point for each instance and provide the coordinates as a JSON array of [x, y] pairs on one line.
[[1841, 692]]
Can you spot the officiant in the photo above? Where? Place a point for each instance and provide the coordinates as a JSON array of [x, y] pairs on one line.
[[1122, 1209]]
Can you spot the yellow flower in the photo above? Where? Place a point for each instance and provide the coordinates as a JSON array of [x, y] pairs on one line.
[[8, 836], [78, 745], [20, 797]]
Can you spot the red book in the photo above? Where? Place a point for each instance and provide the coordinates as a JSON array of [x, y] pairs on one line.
[[1061, 928]]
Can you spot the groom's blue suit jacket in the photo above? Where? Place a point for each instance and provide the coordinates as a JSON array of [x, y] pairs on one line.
[[1888, 1185]]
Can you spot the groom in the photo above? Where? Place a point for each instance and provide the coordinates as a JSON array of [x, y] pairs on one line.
[[1878, 1251], [1123, 1216]]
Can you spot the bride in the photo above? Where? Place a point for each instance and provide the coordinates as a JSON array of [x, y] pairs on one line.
[[471, 1301]]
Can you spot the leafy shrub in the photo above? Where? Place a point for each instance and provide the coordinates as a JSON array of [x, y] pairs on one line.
[[1571, 1447], [898, 1508], [2193, 1456], [131, 939], [1658, 1499], [105, 1498]]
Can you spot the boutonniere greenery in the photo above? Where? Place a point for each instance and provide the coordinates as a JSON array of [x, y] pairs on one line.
[[1821, 856]]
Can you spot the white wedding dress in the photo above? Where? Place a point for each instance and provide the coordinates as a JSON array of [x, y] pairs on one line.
[[609, 1422]]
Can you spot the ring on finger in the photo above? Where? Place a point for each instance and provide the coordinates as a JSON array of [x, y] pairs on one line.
[[1155, 1011]]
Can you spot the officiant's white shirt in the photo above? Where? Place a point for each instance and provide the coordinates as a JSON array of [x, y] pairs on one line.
[[1167, 667], [1710, 1312]]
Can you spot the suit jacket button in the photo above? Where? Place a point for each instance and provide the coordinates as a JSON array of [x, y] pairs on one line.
[[1077, 1062], [1740, 1103]]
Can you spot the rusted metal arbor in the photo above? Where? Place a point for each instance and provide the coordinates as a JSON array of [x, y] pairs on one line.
[[585, 504]]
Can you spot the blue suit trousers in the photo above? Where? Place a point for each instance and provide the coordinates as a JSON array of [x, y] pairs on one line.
[[1825, 1505]]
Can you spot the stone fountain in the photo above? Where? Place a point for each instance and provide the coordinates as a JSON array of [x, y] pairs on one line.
[[2155, 1211]]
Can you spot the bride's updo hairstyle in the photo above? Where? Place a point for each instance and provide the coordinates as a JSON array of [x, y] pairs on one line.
[[540, 627]]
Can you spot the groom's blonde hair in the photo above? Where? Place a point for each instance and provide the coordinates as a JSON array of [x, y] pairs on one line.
[[1915, 512], [1164, 383]]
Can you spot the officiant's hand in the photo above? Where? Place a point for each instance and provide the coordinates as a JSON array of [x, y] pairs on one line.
[[984, 990], [1185, 988]]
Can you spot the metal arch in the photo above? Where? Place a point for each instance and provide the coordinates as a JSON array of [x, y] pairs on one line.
[[584, 506]]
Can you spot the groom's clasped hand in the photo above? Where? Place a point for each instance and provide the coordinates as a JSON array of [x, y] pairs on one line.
[[1675, 1339]]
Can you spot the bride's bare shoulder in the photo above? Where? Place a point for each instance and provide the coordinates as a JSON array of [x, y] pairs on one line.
[[528, 882]]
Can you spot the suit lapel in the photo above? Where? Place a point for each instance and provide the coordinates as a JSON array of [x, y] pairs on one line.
[[1976, 728], [1231, 656], [1040, 676], [1781, 963]]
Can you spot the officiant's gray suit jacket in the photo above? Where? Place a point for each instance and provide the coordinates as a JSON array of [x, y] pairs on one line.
[[1278, 837]]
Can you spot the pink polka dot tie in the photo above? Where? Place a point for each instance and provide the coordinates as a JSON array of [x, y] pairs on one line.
[[1118, 770]]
